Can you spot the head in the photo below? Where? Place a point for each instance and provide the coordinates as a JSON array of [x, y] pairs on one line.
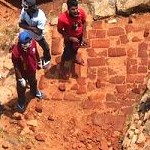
[[73, 8], [29, 6], [25, 40]]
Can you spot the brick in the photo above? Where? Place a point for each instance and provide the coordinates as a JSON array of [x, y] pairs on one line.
[[116, 52], [97, 24], [140, 79], [136, 39], [144, 62], [82, 89], [81, 81], [103, 43], [58, 95], [103, 52], [131, 52], [72, 97], [97, 96], [130, 78], [124, 39], [93, 62], [111, 71], [92, 73], [74, 87], [121, 88], [91, 86], [43, 83], [57, 46], [110, 97], [117, 80], [92, 34], [142, 69], [100, 33], [142, 50], [91, 52], [129, 28], [115, 31], [132, 69], [88, 104], [102, 72]]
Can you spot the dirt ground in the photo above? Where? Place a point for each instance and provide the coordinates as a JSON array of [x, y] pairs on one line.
[[56, 124]]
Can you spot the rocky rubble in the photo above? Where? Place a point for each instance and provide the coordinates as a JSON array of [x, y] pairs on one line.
[[138, 132]]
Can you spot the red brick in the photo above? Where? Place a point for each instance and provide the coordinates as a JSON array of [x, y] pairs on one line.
[[117, 80], [100, 33], [132, 69], [142, 69], [92, 34], [88, 104], [82, 89], [144, 62], [115, 31], [92, 73], [110, 97], [142, 50], [121, 88], [72, 97], [93, 62], [43, 83], [116, 52], [97, 96], [129, 28], [102, 72], [91, 52], [103, 43], [58, 95], [140, 79], [130, 78], [111, 71], [124, 39], [97, 24], [77, 70], [81, 81], [113, 105], [131, 52], [136, 39], [103, 52], [91, 86], [74, 87]]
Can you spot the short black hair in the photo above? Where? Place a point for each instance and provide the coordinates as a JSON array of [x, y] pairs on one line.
[[71, 3]]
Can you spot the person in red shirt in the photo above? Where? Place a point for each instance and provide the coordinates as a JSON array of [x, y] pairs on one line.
[[24, 58], [72, 26]]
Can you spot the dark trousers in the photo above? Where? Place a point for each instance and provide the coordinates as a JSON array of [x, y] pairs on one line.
[[21, 90], [70, 50], [46, 49]]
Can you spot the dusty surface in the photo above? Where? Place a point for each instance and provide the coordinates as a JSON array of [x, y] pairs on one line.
[[63, 120]]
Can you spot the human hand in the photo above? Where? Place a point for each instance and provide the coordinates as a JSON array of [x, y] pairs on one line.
[[83, 42], [74, 39], [22, 82]]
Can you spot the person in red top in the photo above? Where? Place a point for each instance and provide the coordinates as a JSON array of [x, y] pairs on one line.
[[25, 57], [72, 26]]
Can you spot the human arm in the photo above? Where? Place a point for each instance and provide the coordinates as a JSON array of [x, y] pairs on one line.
[[23, 24]]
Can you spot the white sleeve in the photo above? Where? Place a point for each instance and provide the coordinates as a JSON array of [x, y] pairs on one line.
[[42, 20], [22, 15]]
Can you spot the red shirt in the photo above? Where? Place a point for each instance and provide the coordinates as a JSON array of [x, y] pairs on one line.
[[72, 26], [25, 61]]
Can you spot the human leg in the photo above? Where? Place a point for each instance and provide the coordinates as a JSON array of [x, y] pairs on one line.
[[33, 86], [21, 96], [46, 51]]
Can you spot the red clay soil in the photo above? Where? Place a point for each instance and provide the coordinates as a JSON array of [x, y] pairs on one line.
[[77, 114]]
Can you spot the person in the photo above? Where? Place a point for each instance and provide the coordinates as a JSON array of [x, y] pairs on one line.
[[72, 26], [24, 58], [33, 20]]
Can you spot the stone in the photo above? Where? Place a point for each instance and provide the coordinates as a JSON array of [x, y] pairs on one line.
[[40, 137], [32, 123]]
